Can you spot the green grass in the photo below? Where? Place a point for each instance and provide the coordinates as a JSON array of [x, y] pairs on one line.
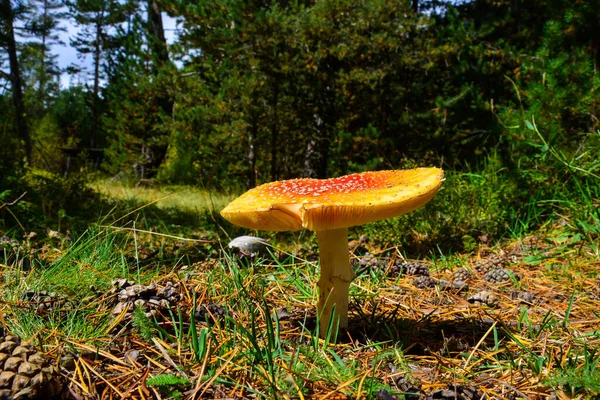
[[430, 337], [181, 198]]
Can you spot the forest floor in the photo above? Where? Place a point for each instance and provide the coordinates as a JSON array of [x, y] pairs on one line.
[[136, 310]]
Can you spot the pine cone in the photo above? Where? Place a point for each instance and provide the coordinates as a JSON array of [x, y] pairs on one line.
[[458, 392], [363, 265], [414, 268], [408, 268], [26, 373], [490, 263], [152, 299], [42, 301], [424, 282], [484, 298], [524, 296], [461, 275], [497, 275], [211, 313]]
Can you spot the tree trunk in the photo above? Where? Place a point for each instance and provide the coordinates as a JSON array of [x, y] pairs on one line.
[[317, 150], [274, 134], [158, 42], [6, 14], [415, 6], [163, 101], [43, 77], [252, 136], [96, 90]]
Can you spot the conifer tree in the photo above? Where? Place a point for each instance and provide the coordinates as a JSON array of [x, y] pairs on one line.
[[97, 20], [44, 25], [8, 13]]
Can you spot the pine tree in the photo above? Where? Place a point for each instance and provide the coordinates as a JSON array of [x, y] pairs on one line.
[[8, 12], [97, 20], [44, 25]]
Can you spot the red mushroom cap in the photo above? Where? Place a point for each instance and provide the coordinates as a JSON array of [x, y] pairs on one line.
[[324, 204]]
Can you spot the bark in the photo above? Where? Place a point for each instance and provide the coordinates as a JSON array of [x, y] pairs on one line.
[[43, 78], [157, 32], [415, 6], [252, 136], [96, 90], [274, 134], [157, 150], [317, 150], [6, 14]]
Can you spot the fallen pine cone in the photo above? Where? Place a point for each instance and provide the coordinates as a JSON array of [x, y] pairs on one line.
[[26, 373], [424, 282], [490, 263], [500, 275], [484, 298], [461, 274]]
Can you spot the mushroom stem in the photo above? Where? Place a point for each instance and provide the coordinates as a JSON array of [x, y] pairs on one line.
[[336, 275]]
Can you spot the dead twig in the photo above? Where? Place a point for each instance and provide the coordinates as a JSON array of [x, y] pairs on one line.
[[12, 203]]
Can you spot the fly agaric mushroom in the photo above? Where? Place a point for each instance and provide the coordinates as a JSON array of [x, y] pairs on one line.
[[328, 207]]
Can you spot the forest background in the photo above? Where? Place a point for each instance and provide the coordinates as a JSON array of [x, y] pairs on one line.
[[502, 93], [253, 91]]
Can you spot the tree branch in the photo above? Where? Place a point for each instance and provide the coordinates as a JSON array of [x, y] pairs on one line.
[[12, 203]]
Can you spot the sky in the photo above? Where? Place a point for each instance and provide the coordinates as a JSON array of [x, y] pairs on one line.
[[67, 55]]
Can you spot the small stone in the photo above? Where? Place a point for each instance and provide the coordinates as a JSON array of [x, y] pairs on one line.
[[67, 361], [250, 247]]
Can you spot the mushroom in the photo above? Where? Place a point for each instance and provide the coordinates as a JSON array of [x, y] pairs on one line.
[[328, 207]]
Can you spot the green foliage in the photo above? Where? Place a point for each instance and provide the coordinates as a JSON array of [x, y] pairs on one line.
[[46, 200], [170, 385], [579, 375], [483, 202], [143, 324], [47, 144], [72, 113]]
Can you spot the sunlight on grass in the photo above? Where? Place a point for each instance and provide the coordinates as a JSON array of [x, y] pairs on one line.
[[184, 198]]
